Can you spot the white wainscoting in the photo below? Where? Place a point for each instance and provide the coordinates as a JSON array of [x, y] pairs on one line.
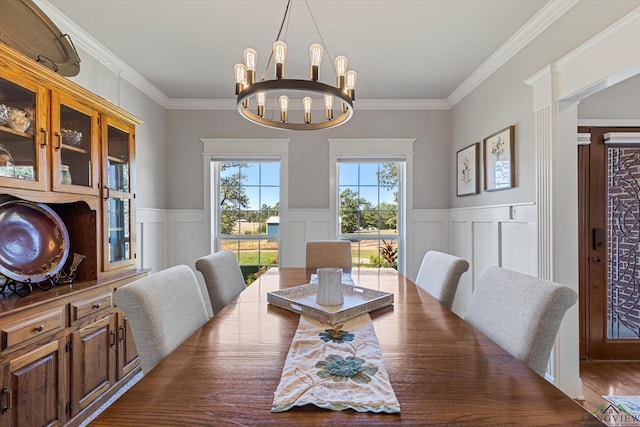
[[492, 235], [170, 237], [502, 235]]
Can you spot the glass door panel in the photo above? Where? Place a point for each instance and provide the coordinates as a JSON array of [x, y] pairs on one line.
[[75, 148], [118, 160], [20, 153], [119, 232], [623, 223], [119, 248]]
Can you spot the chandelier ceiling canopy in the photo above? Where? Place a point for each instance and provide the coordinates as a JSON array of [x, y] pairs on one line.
[[267, 102]]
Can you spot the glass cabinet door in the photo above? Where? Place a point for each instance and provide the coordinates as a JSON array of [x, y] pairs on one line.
[[74, 146], [23, 135], [118, 211]]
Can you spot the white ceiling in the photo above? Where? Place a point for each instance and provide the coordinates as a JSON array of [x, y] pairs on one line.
[[401, 49]]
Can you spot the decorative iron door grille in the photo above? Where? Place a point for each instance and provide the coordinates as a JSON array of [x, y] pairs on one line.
[[623, 260]]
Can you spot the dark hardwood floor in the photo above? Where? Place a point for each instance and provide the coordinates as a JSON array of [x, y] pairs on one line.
[[606, 378]]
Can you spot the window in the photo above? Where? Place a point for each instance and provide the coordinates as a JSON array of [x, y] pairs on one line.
[[369, 195], [248, 220]]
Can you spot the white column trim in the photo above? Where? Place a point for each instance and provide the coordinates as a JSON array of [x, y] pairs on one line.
[[544, 191]]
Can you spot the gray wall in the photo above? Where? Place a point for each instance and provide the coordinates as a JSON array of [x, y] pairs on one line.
[[504, 99], [309, 153]]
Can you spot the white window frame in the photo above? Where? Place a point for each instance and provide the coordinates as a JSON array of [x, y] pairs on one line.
[[250, 150], [379, 150]]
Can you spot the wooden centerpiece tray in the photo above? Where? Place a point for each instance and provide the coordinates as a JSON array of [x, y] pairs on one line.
[[357, 300]]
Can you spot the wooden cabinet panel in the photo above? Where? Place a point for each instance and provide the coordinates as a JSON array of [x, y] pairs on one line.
[[34, 388], [93, 361], [127, 352]]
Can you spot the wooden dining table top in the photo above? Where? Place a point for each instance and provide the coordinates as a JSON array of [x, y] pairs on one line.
[[442, 370]]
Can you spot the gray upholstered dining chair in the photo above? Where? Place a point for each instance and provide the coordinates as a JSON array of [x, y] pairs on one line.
[[223, 278], [439, 275], [164, 309], [329, 253], [521, 313]]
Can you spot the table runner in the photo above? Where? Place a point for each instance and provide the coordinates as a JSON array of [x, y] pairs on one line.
[[336, 368]]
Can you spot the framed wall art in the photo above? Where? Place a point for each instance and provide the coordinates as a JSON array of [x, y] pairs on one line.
[[498, 155], [467, 181]]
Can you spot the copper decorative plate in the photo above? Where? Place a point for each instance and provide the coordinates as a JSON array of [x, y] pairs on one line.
[[26, 28], [34, 242]]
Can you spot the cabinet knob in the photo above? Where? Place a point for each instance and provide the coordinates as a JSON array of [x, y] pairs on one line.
[[39, 328], [97, 305]]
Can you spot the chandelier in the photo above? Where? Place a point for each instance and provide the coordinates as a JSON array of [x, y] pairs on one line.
[[253, 96]]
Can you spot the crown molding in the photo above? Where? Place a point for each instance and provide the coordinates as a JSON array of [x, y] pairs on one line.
[[532, 29], [545, 17]]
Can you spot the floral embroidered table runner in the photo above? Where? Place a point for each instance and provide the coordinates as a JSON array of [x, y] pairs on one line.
[[336, 368]]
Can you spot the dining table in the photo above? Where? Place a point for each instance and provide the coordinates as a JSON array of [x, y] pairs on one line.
[[442, 370]]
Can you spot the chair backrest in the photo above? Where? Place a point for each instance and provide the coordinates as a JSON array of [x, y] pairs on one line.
[[164, 309], [223, 278], [329, 253], [439, 274], [521, 313]]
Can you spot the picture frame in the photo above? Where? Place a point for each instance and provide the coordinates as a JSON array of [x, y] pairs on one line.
[[499, 163], [467, 165]]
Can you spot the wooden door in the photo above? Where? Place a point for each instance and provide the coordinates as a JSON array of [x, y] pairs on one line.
[[609, 201], [24, 134], [118, 183], [74, 160], [34, 390], [127, 352], [93, 361]]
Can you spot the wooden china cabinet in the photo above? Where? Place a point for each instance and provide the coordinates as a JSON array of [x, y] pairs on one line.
[[65, 350]]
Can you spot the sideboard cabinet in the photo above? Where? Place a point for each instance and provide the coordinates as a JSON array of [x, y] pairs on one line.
[[65, 350]]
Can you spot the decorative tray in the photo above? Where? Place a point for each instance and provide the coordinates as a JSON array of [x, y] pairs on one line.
[[357, 300]]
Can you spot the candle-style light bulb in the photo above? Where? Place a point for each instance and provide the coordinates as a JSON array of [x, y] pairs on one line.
[[250, 60], [328, 105], [341, 63], [306, 105], [350, 85], [284, 105], [262, 99], [240, 71], [315, 55], [279, 55]]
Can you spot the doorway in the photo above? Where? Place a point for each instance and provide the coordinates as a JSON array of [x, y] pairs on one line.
[[609, 246]]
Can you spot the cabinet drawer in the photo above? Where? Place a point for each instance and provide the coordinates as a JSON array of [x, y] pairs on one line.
[[89, 306], [23, 330]]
